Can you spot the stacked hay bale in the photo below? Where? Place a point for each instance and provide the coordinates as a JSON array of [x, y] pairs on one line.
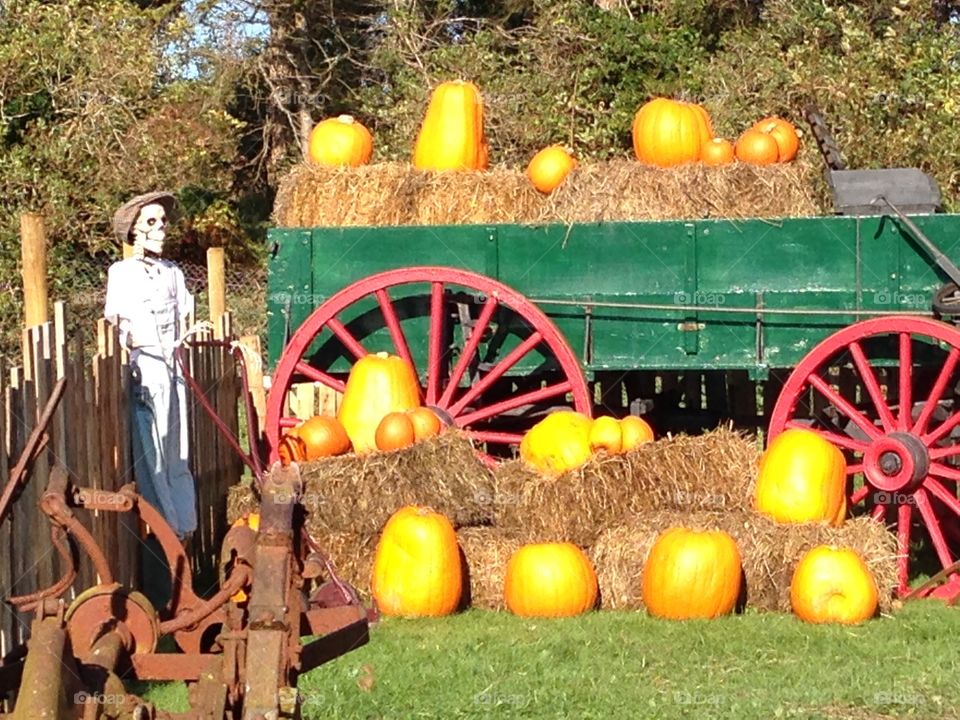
[[613, 507], [397, 194]]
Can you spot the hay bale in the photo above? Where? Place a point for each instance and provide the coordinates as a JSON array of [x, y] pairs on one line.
[[713, 471], [770, 552], [242, 499], [351, 555], [393, 193], [359, 493], [487, 551]]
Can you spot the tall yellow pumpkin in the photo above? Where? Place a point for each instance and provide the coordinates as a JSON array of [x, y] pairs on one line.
[[558, 443], [669, 132], [417, 571], [802, 479], [550, 580], [692, 574], [452, 137], [378, 384]]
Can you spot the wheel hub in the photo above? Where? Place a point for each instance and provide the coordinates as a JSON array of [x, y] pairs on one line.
[[896, 462]]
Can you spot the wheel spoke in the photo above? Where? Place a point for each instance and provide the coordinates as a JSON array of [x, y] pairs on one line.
[[289, 422], [469, 349], [348, 340], [933, 486], [858, 495], [844, 441], [942, 471], [512, 358], [936, 392], [528, 398], [873, 387], [905, 416], [393, 325], [934, 436], [854, 469], [933, 526], [879, 512], [944, 452], [904, 518], [490, 436], [841, 404], [319, 376], [436, 337]]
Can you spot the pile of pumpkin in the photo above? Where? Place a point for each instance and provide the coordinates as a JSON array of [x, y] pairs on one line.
[[688, 573], [666, 133]]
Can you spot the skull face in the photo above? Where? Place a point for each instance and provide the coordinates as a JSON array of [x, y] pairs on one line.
[[150, 229]]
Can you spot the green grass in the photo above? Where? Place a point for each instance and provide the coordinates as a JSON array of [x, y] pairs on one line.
[[626, 665]]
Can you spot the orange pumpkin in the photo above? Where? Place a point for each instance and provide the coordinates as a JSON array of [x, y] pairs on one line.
[[550, 580], [833, 585], [378, 384], [452, 137], [716, 152], [340, 141], [550, 167], [785, 135], [291, 449], [802, 478], [426, 424], [757, 147], [417, 570], [692, 574], [605, 434], [395, 431], [323, 436], [634, 432], [668, 132]]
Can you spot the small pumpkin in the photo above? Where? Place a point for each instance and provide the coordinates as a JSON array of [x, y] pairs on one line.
[[323, 436], [340, 141], [417, 571], [669, 132], [426, 423], [378, 384], [717, 152], [291, 448], [785, 135], [452, 136], [757, 147], [802, 478], [558, 443], [634, 432], [605, 434], [833, 585], [692, 574], [550, 167], [550, 580], [395, 432]]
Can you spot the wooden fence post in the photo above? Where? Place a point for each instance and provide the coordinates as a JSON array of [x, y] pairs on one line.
[[33, 248], [216, 283]]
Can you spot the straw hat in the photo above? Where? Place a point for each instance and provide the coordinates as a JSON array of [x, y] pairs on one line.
[[124, 218]]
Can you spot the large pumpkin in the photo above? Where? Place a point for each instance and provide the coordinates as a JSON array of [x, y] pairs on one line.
[[417, 571], [802, 479], [378, 384], [558, 443], [692, 574], [550, 580], [833, 585], [452, 137], [340, 141], [669, 132]]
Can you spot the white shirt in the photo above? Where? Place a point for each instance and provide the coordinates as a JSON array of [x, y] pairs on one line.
[[147, 300]]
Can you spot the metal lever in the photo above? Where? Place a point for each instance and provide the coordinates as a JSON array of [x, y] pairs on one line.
[[942, 261]]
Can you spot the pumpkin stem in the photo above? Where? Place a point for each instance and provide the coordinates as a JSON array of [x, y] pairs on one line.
[[345, 119]]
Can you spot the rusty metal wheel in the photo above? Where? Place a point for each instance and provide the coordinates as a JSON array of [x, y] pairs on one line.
[[898, 427], [474, 334]]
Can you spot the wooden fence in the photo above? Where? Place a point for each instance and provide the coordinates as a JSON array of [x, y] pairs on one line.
[[90, 436]]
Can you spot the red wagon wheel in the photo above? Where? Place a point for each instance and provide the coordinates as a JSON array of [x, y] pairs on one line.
[[472, 330], [895, 425]]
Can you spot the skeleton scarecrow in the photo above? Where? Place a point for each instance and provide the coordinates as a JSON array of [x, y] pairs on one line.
[[146, 299]]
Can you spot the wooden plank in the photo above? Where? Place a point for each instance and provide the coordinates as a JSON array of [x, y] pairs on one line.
[[8, 620], [43, 383], [33, 248], [216, 283], [63, 438]]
